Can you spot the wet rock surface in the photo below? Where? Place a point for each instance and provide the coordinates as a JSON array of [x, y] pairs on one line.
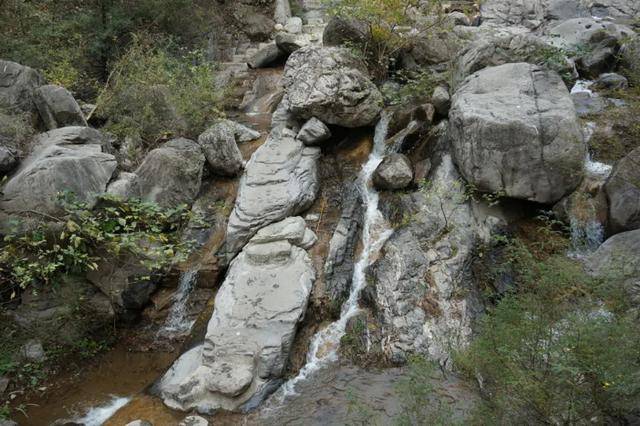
[[249, 336], [517, 114]]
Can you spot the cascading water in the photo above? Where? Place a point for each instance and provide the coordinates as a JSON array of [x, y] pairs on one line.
[[325, 344], [177, 323], [96, 416]]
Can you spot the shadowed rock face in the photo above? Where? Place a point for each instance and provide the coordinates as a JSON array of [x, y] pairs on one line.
[[514, 130], [249, 336], [17, 84], [623, 193], [332, 85], [280, 180]]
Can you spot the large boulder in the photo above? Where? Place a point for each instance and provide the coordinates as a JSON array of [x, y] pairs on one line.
[[17, 84], [220, 148], [578, 32], [394, 172], [617, 261], [514, 131], [171, 174], [252, 328], [57, 166], [332, 85], [528, 13], [8, 160], [57, 107], [623, 192], [267, 56], [280, 180], [340, 32]]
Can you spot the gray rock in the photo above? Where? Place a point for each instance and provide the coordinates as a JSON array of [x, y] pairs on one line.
[[623, 192], [394, 172], [17, 84], [498, 50], [512, 12], [587, 104], [612, 81], [4, 384], [289, 43], [124, 186], [293, 25], [171, 174], [291, 229], [221, 150], [8, 160], [423, 286], [332, 85], [52, 169], [73, 135], [8, 423], [458, 18], [338, 266], [441, 100], [313, 132], [265, 94], [601, 56], [194, 421], [617, 261], [340, 32], [250, 333], [266, 57], [514, 130], [433, 50], [577, 32], [57, 107], [140, 423], [281, 11], [280, 180], [33, 351], [244, 133]]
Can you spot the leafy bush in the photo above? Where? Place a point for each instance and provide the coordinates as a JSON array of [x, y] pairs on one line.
[[562, 348], [75, 242], [387, 23], [154, 94]]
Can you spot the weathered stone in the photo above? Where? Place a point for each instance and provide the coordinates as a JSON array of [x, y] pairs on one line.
[[612, 81], [423, 287], [601, 56], [172, 174], [292, 229], [265, 94], [124, 186], [73, 135], [340, 32], [140, 423], [293, 25], [514, 130], [221, 150], [266, 57], [331, 84], [83, 170], [630, 59], [458, 18], [588, 103], [573, 33], [426, 51], [250, 333], [441, 100], [394, 172], [244, 133], [512, 12], [313, 132], [57, 107], [33, 351], [194, 421], [17, 84], [617, 261], [623, 192], [281, 11], [289, 43], [280, 180]]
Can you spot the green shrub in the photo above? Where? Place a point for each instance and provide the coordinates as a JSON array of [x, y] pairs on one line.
[[154, 94], [561, 349], [75, 242]]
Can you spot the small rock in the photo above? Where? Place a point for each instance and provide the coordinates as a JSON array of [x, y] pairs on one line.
[[293, 25], [194, 421], [8, 423], [140, 423], [244, 133], [266, 57], [289, 43], [220, 149], [309, 240], [4, 384], [441, 100], [33, 351], [394, 172], [612, 81], [313, 132]]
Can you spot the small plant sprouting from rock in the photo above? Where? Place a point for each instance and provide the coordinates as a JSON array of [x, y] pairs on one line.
[[73, 243]]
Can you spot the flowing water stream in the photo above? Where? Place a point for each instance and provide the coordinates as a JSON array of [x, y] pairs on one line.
[[324, 345], [177, 323]]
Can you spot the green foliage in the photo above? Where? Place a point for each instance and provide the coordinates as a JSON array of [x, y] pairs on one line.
[[79, 239], [417, 85], [156, 92], [388, 25], [420, 403], [562, 348]]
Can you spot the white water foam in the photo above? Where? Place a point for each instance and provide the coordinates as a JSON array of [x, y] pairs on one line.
[[97, 416], [325, 344], [177, 323]]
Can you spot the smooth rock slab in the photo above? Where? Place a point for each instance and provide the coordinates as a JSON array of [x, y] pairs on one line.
[[280, 180], [514, 131], [58, 108], [332, 85], [17, 84], [249, 336]]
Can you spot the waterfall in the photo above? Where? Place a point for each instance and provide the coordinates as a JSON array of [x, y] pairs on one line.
[[585, 237], [325, 344], [177, 323]]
